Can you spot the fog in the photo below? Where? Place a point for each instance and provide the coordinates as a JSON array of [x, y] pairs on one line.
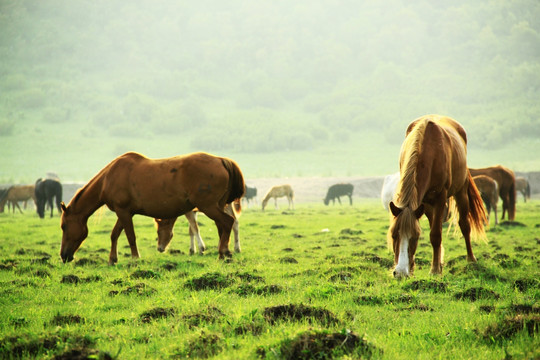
[[330, 84]]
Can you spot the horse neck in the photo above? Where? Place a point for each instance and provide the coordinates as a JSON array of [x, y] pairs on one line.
[[88, 199]]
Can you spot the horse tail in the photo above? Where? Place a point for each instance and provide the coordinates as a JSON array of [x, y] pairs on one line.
[[477, 211], [237, 186]]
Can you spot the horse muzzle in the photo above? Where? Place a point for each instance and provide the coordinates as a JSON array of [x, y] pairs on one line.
[[66, 258]]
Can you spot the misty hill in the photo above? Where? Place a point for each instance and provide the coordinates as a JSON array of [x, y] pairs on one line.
[[243, 77]]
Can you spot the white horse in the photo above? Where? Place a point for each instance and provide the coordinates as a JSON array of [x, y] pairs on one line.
[[279, 191], [389, 189]]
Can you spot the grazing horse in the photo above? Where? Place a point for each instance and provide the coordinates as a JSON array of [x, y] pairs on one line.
[[17, 193], [389, 189], [160, 188], [489, 190], [433, 168], [165, 229], [507, 187], [336, 191], [251, 193], [45, 191], [279, 191], [523, 186]]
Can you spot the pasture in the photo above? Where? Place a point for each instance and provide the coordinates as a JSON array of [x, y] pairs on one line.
[[310, 283]]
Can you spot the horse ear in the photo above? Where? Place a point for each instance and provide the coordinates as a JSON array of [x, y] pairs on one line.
[[63, 206], [395, 210], [419, 212]]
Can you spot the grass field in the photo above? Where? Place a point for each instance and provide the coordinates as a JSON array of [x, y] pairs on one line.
[[310, 283]]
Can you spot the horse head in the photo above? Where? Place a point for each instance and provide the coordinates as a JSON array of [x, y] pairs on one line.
[[74, 231], [165, 233], [403, 236]]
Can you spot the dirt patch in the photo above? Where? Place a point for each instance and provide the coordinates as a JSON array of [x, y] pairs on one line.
[[208, 281], [288, 260], [487, 308], [86, 262], [24, 345], [510, 326], [525, 284], [341, 276], [156, 313], [42, 273], [176, 252], [145, 274], [249, 289], [140, 289], [248, 277], [426, 285], [524, 309], [202, 346], [370, 300], [60, 320], [83, 353], [8, 264], [477, 293], [169, 266], [209, 315], [70, 279], [323, 345], [299, 312]]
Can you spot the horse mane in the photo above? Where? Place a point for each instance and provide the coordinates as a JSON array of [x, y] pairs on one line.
[[407, 193]]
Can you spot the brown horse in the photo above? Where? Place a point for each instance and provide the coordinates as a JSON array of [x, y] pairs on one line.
[[523, 186], [18, 193], [507, 187], [489, 190], [279, 191], [160, 188], [433, 168], [165, 229]]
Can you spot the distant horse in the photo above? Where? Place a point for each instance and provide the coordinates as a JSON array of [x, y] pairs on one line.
[[389, 189], [165, 229], [336, 191], [279, 191], [18, 193], [160, 188], [523, 186], [45, 191], [433, 168], [251, 193], [489, 190], [507, 187]]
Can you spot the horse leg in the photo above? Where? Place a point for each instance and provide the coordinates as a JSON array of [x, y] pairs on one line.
[[339, 200], [275, 203], [194, 232], [224, 223], [16, 203], [236, 237], [462, 202], [115, 233], [127, 223], [435, 216], [350, 199], [49, 201]]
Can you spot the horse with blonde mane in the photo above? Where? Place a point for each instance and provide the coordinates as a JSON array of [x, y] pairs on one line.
[[489, 190], [165, 229], [433, 168], [279, 191], [159, 188]]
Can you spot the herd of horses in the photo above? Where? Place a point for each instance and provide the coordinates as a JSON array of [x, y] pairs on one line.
[[434, 180], [42, 193]]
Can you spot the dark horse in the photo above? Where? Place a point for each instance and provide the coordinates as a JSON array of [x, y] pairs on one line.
[[45, 191], [336, 191], [433, 168], [506, 180], [160, 188]]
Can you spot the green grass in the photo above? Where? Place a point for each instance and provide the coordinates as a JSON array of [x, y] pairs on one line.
[[312, 283]]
